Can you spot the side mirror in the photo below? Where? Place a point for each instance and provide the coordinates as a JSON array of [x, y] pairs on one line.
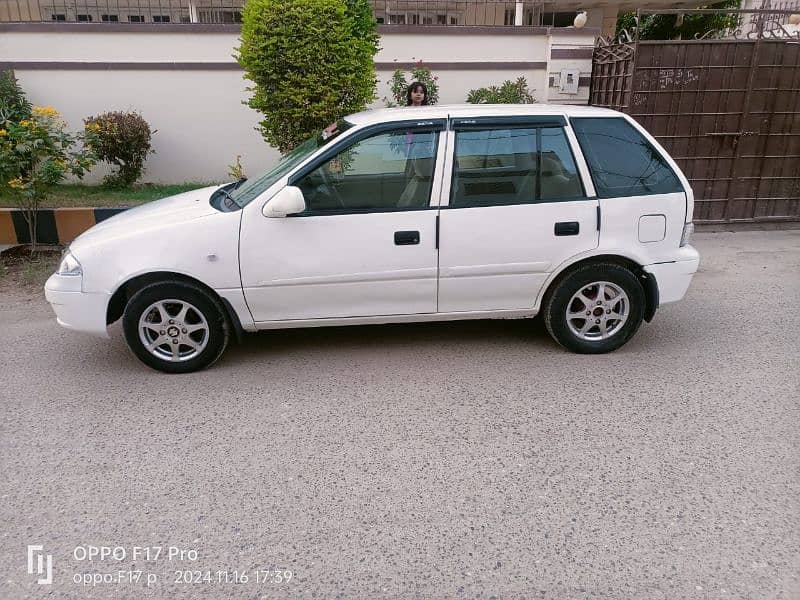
[[288, 201]]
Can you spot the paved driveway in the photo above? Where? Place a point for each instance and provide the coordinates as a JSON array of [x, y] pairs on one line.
[[458, 460]]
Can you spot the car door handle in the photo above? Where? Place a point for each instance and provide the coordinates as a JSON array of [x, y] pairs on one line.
[[568, 228], [406, 238]]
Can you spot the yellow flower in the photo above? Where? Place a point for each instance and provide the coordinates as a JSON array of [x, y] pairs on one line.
[[45, 111], [16, 183], [3, 132], [24, 122], [93, 127]]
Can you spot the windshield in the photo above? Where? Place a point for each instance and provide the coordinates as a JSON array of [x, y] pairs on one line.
[[251, 188]]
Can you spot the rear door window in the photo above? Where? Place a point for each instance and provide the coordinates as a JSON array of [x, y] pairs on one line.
[[621, 161], [513, 165]]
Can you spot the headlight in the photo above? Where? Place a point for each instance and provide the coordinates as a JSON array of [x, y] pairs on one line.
[[688, 230], [69, 266]]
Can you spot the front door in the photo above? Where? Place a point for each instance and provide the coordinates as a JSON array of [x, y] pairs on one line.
[[517, 209], [366, 244]]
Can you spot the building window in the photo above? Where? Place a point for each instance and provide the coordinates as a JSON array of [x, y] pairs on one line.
[[441, 19], [109, 18], [397, 19], [136, 18], [84, 18], [58, 17], [453, 20], [219, 16], [527, 17], [558, 19], [160, 18], [509, 16]]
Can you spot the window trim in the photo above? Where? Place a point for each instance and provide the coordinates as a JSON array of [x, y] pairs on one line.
[[433, 125], [516, 122], [507, 122], [665, 159]]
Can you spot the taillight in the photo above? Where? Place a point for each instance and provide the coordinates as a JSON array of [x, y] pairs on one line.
[[688, 230]]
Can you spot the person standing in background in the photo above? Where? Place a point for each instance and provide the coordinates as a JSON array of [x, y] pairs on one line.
[[417, 94]]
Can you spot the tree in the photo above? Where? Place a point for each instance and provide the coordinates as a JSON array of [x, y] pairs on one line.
[[311, 63], [35, 154], [669, 27], [14, 106]]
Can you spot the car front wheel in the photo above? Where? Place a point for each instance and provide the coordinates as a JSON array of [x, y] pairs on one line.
[[597, 308], [175, 327]]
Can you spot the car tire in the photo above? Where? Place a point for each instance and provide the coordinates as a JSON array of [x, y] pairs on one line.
[[175, 327], [594, 309]]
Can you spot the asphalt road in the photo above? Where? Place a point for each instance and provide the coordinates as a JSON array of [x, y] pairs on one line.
[[458, 460]]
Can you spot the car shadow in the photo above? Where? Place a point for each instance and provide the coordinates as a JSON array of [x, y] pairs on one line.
[[397, 335]]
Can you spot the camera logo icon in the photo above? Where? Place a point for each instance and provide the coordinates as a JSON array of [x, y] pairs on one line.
[[40, 564]]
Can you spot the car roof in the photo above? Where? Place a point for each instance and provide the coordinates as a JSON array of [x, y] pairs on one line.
[[442, 111]]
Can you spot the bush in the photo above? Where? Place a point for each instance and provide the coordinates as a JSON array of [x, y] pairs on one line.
[[122, 139], [311, 63], [510, 92], [35, 154], [399, 85], [668, 27], [14, 106], [236, 170]]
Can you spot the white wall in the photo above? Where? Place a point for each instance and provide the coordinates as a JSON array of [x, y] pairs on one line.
[[462, 48], [200, 120], [199, 115]]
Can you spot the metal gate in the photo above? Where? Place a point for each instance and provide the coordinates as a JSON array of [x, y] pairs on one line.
[[727, 110]]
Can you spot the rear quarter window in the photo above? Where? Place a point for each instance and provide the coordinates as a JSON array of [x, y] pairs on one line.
[[621, 161]]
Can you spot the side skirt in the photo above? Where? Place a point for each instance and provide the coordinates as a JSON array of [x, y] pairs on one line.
[[419, 318]]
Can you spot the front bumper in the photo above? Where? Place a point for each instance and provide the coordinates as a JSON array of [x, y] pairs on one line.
[[673, 278], [77, 310]]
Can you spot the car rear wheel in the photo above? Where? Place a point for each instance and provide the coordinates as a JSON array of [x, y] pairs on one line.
[[597, 308], [175, 327]]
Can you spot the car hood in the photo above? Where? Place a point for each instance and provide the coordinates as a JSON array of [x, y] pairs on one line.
[[170, 211]]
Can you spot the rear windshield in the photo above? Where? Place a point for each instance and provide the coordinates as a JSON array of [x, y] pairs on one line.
[[622, 162]]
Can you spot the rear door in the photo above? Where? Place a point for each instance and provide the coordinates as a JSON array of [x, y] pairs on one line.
[[516, 209]]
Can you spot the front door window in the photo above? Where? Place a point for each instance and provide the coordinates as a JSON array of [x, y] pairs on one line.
[[386, 172]]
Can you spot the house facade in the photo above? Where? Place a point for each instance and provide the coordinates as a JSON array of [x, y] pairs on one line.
[[172, 60]]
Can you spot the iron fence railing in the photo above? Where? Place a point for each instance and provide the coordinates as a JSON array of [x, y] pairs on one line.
[[121, 11], [486, 13], [480, 13]]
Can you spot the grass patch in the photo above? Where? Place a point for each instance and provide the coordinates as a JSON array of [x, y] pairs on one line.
[[19, 269], [75, 195], [36, 271]]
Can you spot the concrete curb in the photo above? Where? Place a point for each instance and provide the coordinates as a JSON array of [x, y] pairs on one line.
[[53, 225]]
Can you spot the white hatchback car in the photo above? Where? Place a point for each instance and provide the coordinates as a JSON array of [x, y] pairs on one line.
[[401, 215]]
